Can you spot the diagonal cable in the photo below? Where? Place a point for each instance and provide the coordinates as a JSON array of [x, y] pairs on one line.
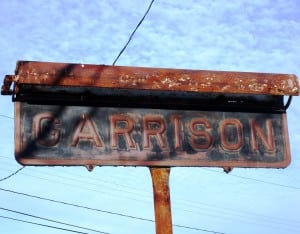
[[40, 224], [105, 211], [11, 175], [134, 31], [51, 220], [6, 116]]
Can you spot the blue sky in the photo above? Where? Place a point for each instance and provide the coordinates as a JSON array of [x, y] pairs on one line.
[[258, 36]]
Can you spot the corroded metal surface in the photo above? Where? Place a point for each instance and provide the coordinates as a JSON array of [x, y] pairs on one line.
[[76, 135], [162, 203], [102, 76], [7, 83]]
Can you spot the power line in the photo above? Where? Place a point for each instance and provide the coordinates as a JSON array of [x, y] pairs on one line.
[[51, 220], [139, 198], [5, 116], [198, 229], [40, 224], [104, 211], [241, 177], [257, 180], [7, 177], [190, 203], [266, 182], [182, 201], [76, 205], [186, 202], [132, 34]]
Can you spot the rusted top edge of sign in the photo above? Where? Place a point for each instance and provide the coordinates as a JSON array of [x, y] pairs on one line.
[[142, 78]]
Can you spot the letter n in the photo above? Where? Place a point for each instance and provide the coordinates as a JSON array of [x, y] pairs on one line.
[[267, 137]]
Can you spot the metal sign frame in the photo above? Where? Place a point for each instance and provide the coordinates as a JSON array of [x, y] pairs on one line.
[[91, 136]]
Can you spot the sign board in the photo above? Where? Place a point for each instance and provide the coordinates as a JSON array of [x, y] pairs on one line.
[[82, 135], [80, 114]]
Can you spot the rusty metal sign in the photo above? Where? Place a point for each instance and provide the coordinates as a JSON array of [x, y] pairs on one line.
[[144, 78], [83, 114], [82, 135]]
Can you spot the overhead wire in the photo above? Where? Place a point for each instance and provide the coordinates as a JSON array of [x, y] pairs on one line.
[[134, 31], [266, 182], [229, 213], [137, 197], [76, 205], [51, 220], [5, 116], [240, 216], [179, 203], [220, 172], [193, 204], [237, 176], [12, 174], [43, 225], [198, 229], [17, 171], [104, 211], [257, 180]]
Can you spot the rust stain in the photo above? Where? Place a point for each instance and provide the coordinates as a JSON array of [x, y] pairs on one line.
[[163, 79], [81, 135], [162, 203]]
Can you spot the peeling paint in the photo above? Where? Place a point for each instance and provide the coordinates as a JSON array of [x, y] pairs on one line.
[[162, 79]]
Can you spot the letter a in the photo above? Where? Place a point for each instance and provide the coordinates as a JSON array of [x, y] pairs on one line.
[[86, 130]]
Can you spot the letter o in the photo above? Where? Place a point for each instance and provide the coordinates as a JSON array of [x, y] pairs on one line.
[[239, 134]]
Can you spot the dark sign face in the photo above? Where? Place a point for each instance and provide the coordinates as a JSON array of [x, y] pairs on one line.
[[76, 135]]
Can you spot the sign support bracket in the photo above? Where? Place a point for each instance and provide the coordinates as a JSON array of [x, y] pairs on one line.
[[161, 196]]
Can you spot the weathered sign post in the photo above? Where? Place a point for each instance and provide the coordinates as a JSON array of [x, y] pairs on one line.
[[78, 114]]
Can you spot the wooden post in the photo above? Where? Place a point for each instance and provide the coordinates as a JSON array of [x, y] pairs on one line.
[[162, 204]]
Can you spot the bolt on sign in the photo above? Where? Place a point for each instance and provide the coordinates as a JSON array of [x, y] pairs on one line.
[[76, 114]]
